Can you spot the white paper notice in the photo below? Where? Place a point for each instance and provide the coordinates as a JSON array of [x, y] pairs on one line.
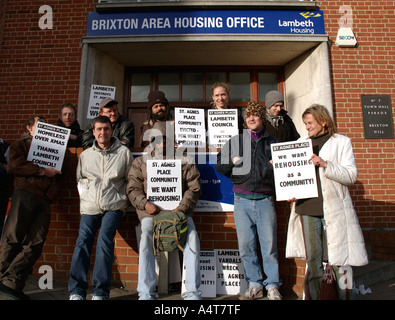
[[221, 126], [230, 272], [294, 172], [164, 187], [208, 275], [98, 93], [190, 127], [48, 146]]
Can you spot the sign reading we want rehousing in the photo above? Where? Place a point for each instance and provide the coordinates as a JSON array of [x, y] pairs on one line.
[[294, 172]]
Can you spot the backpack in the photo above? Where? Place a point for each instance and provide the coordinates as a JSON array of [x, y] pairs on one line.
[[169, 231]]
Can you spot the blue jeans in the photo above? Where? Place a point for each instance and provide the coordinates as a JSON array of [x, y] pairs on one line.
[[256, 220], [147, 276], [101, 278]]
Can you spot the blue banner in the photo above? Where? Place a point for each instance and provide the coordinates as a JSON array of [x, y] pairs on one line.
[[205, 22]]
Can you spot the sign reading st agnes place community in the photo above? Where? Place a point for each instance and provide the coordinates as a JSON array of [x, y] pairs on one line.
[[205, 22]]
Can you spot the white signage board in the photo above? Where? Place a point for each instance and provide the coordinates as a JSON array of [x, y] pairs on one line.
[[48, 146], [294, 172], [208, 275], [190, 127], [98, 93], [164, 185], [231, 278], [221, 126]]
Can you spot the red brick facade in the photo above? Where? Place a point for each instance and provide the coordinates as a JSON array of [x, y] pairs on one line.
[[40, 70]]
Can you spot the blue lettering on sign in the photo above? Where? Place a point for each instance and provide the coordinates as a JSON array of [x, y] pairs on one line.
[[205, 22]]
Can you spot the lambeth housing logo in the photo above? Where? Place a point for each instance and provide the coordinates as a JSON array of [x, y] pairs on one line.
[[308, 15], [298, 25]]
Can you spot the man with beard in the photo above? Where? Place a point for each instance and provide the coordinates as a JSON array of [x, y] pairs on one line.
[[68, 119], [158, 110]]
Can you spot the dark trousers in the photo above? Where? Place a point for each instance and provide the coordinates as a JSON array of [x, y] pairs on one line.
[[24, 235]]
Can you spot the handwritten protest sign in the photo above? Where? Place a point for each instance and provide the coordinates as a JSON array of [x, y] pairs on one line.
[[48, 146], [98, 93], [294, 172], [230, 272], [221, 125], [190, 127], [164, 187], [208, 275]]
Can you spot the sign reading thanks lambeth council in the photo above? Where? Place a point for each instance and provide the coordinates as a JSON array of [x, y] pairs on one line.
[[205, 22], [294, 172], [48, 146]]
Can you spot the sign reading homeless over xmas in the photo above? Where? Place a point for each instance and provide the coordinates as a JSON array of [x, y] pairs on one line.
[[48, 146], [294, 172], [164, 187]]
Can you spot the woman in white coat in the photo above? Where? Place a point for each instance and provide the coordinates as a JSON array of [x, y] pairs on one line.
[[327, 228]]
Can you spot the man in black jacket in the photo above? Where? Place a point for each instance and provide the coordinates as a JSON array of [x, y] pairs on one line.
[[277, 121], [68, 119], [122, 127], [246, 159]]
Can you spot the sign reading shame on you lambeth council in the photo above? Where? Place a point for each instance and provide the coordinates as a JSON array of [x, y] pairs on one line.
[[48, 146], [294, 172], [164, 187]]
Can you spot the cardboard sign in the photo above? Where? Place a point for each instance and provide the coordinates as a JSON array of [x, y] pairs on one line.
[[294, 172], [231, 278], [48, 146], [98, 93], [190, 127], [221, 126], [164, 185]]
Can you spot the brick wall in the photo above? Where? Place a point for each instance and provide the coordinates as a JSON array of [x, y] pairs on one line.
[[40, 70]]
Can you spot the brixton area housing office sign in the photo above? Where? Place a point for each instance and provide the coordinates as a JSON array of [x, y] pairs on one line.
[[377, 116]]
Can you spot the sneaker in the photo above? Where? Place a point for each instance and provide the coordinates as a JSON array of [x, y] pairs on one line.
[[274, 294], [76, 296], [251, 294], [99, 297]]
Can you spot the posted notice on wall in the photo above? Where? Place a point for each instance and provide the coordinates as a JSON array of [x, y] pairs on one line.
[[294, 172], [231, 278], [190, 129], [164, 187], [221, 126], [98, 93], [48, 146]]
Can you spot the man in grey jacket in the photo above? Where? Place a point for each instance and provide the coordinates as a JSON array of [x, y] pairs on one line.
[[102, 176]]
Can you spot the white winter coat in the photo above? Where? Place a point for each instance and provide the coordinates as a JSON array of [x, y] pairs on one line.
[[346, 244], [105, 174]]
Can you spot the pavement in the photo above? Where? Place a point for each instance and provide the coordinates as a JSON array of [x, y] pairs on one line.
[[376, 281]]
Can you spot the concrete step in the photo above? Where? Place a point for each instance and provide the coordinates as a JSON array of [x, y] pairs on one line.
[[374, 272]]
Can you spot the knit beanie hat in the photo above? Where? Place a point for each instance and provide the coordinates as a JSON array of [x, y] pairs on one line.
[[155, 97], [272, 97], [255, 109]]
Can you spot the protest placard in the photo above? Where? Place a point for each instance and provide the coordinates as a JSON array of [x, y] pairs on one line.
[[230, 272], [221, 126], [208, 275], [98, 93], [294, 172], [48, 146], [164, 187], [190, 127]]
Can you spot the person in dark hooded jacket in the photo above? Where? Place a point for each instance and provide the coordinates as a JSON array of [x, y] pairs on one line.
[[68, 119]]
